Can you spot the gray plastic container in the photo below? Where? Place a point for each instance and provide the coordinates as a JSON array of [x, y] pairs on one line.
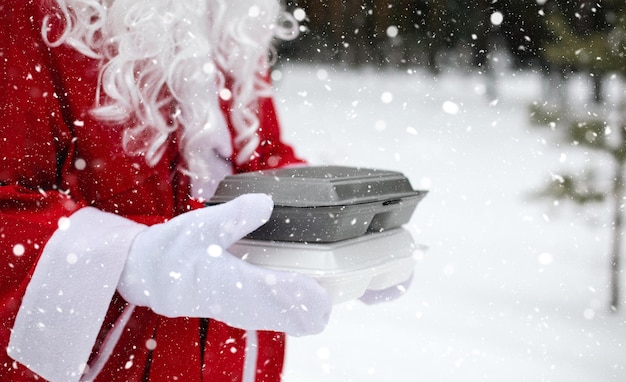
[[326, 203]]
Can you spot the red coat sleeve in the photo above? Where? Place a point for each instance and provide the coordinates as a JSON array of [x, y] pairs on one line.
[[34, 140], [272, 151]]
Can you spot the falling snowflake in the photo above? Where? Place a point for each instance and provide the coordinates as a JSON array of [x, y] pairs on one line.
[[18, 249], [496, 18], [450, 107]]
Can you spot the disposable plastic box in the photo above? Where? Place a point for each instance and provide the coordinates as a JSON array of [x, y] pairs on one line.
[[326, 203], [346, 269]]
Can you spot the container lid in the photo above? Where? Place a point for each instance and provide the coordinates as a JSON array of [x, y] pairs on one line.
[[318, 186]]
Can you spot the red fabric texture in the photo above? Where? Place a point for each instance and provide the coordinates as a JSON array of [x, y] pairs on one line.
[[56, 159]]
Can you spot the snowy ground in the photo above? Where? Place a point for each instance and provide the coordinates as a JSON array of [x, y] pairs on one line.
[[509, 289]]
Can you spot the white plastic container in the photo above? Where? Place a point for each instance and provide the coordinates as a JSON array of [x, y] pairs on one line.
[[346, 269]]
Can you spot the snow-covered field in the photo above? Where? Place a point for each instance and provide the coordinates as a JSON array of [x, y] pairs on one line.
[[509, 289]]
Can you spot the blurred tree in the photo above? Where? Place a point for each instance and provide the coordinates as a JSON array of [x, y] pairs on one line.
[[481, 33], [440, 30], [584, 187], [598, 47], [586, 38], [323, 31], [381, 32], [523, 31]]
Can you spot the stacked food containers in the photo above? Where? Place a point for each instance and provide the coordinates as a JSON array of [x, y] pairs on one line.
[[339, 225]]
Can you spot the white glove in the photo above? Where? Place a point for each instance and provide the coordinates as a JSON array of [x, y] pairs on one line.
[[182, 268]]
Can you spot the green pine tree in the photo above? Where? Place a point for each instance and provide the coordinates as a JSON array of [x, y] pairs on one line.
[[599, 52]]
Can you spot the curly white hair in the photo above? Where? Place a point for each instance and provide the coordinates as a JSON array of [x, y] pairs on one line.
[[159, 53]]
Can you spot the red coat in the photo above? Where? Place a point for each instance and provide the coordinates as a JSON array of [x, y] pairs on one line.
[[55, 159]]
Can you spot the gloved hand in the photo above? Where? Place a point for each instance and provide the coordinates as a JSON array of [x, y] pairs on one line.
[[182, 268]]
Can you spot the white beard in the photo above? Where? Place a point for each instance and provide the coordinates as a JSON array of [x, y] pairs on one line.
[[184, 48]]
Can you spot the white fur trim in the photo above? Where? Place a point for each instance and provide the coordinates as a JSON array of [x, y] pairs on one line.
[[69, 294]]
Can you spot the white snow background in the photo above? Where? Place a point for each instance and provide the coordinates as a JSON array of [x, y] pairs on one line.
[[510, 289]]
